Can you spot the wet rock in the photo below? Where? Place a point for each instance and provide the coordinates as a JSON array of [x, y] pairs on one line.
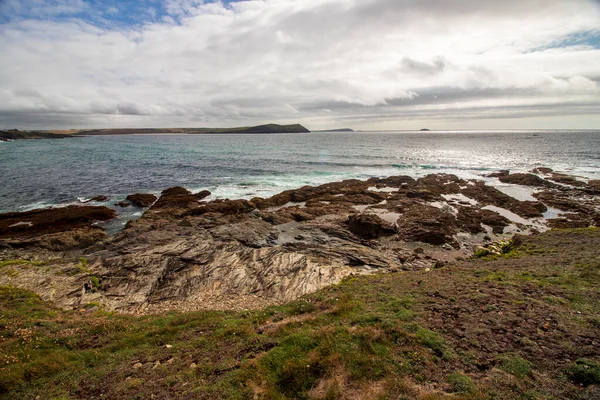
[[224, 207], [594, 184], [524, 179], [566, 180], [542, 170], [487, 195], [369, 226], [35, 223], [501, 173], [238, 254], [202, 194], [123, 204], [98, 199], [178, 200], [142, 199]]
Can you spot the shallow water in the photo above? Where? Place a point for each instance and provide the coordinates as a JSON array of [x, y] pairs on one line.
[[38, 173]]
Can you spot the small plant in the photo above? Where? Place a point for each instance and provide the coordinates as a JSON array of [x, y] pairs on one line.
[[460, 383], [515, 365], [434, 341], [95, 283], [504, 248], [480, 253], [584, 372], [83, 265]]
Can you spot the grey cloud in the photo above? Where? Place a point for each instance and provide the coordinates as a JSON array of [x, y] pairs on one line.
[[423, 68], [283, 60]]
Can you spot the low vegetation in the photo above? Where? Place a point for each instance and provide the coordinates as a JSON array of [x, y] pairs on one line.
[[501, 328]]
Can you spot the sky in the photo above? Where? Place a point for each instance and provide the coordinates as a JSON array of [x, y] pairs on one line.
[[361, 64]]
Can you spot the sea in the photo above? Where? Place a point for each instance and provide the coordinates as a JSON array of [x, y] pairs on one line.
[[43, 173]]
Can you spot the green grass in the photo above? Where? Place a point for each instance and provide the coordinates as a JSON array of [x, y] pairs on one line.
[[515, 365], [460, 383], [384, 336], [585, 372]]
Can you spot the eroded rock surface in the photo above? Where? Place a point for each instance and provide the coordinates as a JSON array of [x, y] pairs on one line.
[[186, 253], [54, 228]]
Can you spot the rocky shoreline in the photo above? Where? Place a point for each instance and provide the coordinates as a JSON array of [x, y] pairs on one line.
[[186, 253]]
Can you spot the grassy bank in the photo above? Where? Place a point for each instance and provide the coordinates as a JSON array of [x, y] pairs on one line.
[[521, 325]]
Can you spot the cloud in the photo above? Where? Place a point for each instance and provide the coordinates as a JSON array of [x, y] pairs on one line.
[[379, 63]]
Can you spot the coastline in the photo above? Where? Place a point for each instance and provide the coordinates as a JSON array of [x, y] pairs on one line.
[[315, 236], [419, 278]]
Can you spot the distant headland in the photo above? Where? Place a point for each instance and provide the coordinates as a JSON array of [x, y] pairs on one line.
[[337, 130], [15, 134], [268, 128]]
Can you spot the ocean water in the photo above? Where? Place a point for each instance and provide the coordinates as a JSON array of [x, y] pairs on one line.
[[40, 173]]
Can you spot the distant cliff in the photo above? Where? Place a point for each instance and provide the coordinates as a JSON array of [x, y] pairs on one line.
[[269, 128], [15, 134], [337, 130]]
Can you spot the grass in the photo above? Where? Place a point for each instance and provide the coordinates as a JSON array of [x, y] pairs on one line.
[[384, 336], [515, 365], [585, 372], [460, 383]]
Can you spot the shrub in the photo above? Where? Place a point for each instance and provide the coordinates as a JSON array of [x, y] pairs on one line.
[[584, 372], [515, 365], [460, 383]]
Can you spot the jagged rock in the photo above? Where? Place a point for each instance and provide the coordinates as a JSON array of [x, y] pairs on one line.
[[566, 180], [542, 170], [501, 173], [369, 226], [178, 200], [98, 199], [524, 179], [238, 254], [594, 184], [224, 207], [54, 228], [142, 199]]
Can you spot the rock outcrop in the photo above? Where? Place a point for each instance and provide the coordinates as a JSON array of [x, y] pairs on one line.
[[186, 253], [141, 199]]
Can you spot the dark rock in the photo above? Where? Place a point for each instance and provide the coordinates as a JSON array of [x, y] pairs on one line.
[[369, 226], [524, 179], [224, 207], [502, 172], [175, 191], [122, 204], [142, 199], [594, 184], [71, 226], [542, 170], [176, 199], [202, 194], [567, 180], [98, 199]]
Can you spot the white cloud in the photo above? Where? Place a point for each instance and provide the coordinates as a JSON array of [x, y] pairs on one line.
[[374, 63]]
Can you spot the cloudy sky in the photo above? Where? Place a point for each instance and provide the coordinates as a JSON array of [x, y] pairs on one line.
[[364, 64]]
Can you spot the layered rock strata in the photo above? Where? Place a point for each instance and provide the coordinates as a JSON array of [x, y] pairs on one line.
[[187, 253]]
